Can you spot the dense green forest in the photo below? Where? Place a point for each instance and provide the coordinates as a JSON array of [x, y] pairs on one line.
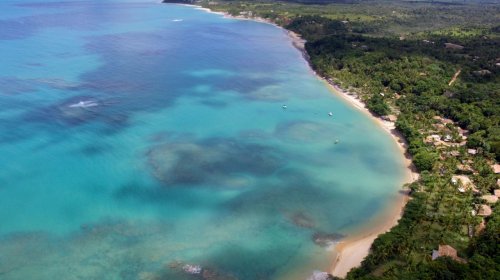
[[435, 67], [375, 17]]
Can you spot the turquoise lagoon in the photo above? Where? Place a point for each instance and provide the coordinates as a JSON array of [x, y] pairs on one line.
[[137, 137]]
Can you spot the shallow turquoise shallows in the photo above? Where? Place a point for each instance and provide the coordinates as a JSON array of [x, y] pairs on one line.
[[141, 140]]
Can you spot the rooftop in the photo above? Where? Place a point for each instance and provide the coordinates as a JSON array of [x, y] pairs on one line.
[[484, 210], [472, 151], [490, 198], [496, 169], [464, 183], [446, 251], [453, 46]]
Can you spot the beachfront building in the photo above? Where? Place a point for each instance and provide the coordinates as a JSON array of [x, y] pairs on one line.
[[480, 227], [463, 183], [434, 138], [484, 210], [453, 46], [446, 251], [472, 152], [490, 198], [496, 169], [464, 168]]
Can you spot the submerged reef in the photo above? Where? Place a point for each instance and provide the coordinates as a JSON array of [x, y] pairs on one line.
[[222, 162]]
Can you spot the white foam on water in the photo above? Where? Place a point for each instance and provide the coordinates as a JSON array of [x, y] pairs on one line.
[[84, 104]]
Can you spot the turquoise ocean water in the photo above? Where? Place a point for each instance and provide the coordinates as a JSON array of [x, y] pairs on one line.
[[138, 137]]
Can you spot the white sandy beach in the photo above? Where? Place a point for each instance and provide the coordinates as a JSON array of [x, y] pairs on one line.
[[350, 252]]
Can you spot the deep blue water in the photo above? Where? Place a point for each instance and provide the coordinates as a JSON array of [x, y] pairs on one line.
[[137, 137]]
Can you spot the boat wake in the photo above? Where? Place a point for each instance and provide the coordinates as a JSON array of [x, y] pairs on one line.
[[84, 104]]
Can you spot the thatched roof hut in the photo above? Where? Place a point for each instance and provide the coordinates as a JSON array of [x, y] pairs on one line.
[[465, 183], [496, 168], [480, 227], [453, 46], [484, 210], [464, 168], [490, 198], [472, 152], [446, 251]]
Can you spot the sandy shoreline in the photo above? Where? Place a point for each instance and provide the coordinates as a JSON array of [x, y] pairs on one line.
[[350, 252]]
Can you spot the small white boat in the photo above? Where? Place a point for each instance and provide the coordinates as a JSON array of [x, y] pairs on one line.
[[330, 114], [336, 141], [284, 107]]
